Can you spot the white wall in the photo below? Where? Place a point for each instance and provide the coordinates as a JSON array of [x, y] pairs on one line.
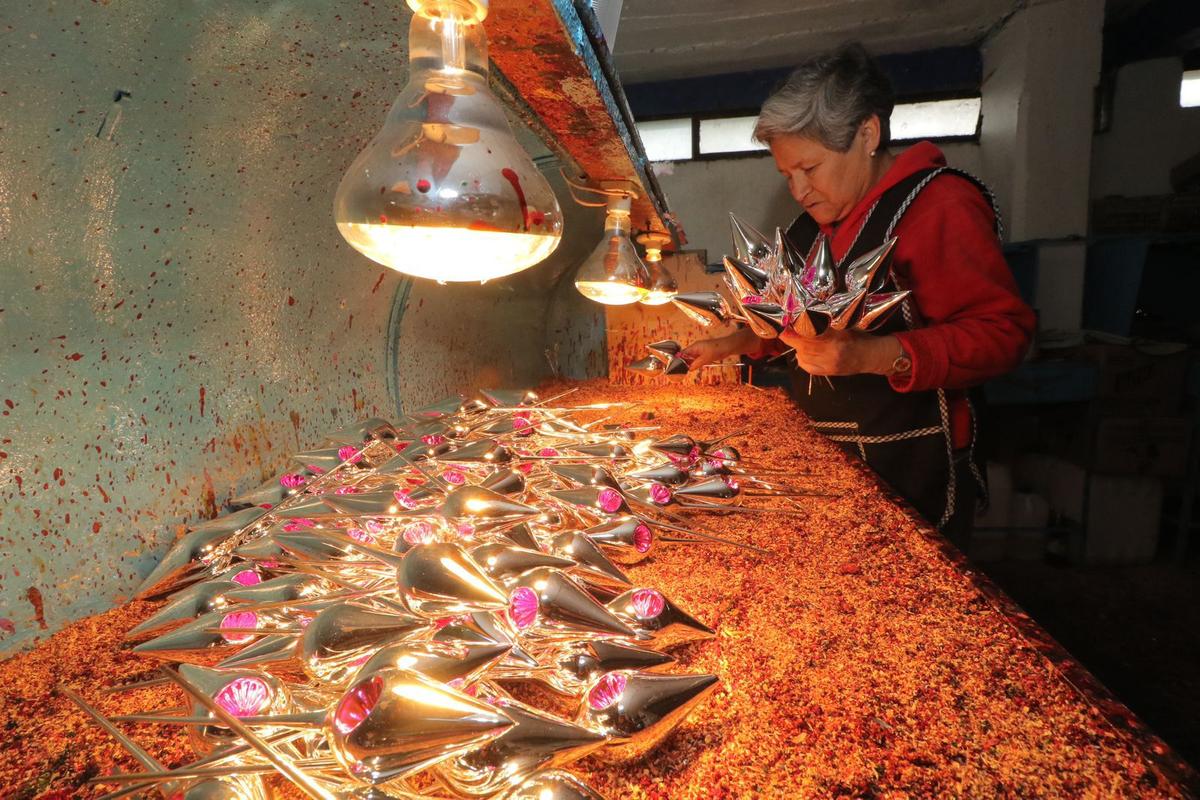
[[1149, 133]]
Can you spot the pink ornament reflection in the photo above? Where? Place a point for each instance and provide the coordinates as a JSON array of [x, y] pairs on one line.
[[607, 690], [643, 538], [247, 577], [238, 619], [648, 603], [659, 494], [609, 500], [357, 705], [244, 697], [523, 607]]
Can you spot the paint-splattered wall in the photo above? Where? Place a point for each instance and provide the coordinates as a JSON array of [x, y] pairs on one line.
[[177, 310], [630, 328]]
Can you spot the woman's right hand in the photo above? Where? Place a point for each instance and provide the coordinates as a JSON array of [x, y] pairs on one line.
[[705, 351], [708, 351]]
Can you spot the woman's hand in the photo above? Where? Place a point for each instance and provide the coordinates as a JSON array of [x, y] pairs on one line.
[[708, 351], [844, 352]]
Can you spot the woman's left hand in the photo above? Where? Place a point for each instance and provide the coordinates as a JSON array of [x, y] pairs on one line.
[[844, 352]]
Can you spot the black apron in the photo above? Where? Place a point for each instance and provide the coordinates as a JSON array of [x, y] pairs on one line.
[[906, 438]]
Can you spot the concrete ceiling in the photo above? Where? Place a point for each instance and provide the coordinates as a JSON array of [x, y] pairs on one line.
[[665, 39]]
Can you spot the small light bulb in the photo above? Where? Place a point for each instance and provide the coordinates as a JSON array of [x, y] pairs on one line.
[[613, 274]]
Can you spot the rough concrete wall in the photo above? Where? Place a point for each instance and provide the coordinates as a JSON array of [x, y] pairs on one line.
[[178, 312], [1149, 134]]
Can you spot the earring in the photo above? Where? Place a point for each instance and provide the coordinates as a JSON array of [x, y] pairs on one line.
[[872, 154]]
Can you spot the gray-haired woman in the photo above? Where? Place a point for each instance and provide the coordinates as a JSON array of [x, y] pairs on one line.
[[902, 403]]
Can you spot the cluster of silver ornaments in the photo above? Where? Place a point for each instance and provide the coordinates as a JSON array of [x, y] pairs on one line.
[[352, 623], [773, 289]]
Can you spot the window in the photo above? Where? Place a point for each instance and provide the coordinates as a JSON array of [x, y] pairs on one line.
[[1189, 89], [728, 135], [667, 139], [686, 138], [939, 119]]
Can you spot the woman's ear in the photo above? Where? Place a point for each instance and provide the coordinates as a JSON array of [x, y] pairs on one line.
[[870, 133]]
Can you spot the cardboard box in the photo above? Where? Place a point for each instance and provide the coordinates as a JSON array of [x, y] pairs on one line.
[[1142, 446]]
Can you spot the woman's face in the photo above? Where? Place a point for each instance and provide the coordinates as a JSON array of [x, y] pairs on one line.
[[827, 183]]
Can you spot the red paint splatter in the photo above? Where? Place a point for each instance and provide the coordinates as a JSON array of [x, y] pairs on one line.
[[378, 282], [423, 186], [291, 300], [202, 401], [7, 626], [512, 177], [95, 527], [75, 356], [35, 599]]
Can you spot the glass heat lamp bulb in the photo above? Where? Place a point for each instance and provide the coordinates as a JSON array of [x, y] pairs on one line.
[[444, 191], [662, 287], [613, 274]]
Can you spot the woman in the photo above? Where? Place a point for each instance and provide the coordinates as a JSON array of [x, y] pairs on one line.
[[900, 399]]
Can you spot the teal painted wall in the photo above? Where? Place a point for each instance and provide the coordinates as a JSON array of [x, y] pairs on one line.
[[177, 310]]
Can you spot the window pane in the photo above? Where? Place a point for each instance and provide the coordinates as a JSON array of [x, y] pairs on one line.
[[667, 139], [935, 119], [1189, 89], [730, 135]]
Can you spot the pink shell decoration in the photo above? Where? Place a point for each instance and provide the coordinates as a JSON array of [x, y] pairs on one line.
[[455, 476], [648, 603], [752, 298], [357, 705], [609, 500], [349, 453], [238, 619], [359, 535], [419, 533], [404, 500], [346, 490], [523, 607], [522, 424], [298, 524], [374, 526], [244, 697], [659, 494], [433, 439], [465, 529], [291, 480], [247, 577], [607, 690], [547, 452], [731, 482], [643, 538]]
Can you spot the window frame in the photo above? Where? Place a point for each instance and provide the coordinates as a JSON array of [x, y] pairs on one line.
[[696, 119]]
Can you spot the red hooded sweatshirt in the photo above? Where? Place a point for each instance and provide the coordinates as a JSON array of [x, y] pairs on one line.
[[974, 325]]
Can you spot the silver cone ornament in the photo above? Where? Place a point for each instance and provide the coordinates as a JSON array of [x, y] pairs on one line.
[[355, 637]]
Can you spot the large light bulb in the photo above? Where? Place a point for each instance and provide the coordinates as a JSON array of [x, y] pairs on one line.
[[662, 288], [444, 191], [613, 274]]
